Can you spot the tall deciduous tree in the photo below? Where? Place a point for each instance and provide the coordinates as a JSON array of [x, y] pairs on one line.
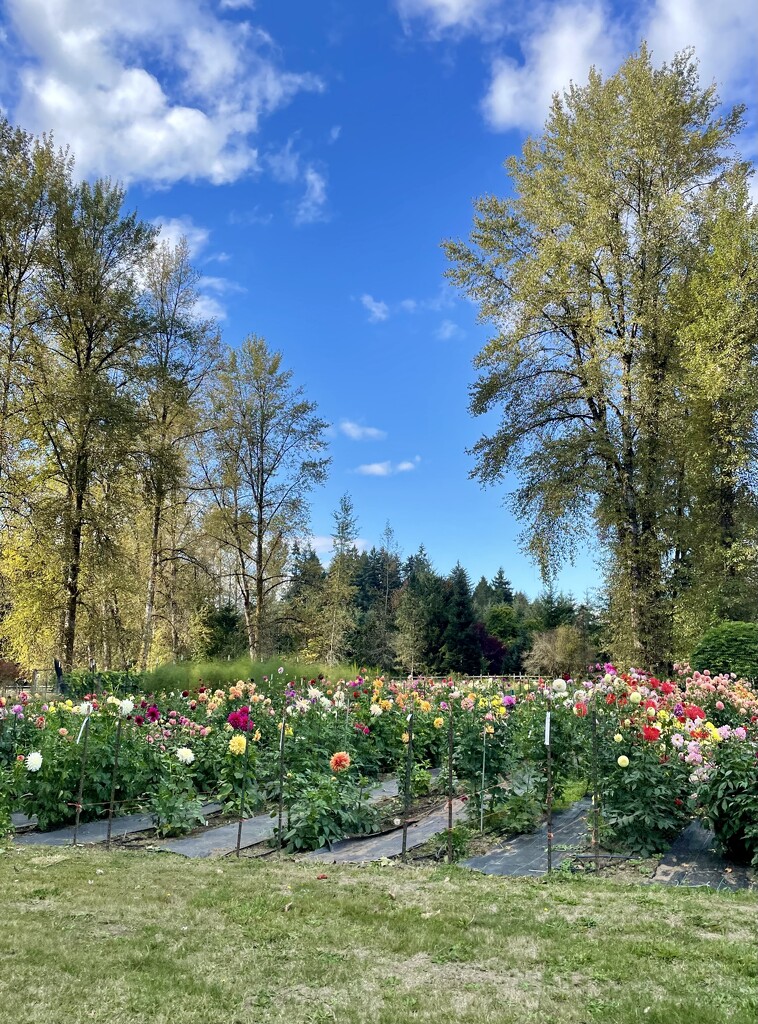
[[180, 352], [261, 456], [84, 368], [584, 274], [31, 172]]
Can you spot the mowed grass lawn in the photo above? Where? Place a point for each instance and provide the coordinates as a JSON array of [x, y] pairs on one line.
[[147, 938]]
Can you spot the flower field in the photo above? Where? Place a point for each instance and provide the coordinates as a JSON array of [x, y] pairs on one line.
[[656, 752]]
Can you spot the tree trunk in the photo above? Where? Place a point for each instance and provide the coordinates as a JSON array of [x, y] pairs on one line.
[[259, 595], [249, 617], [72, 577], [152, 580]]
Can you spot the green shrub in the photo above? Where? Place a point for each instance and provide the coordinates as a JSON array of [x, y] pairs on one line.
[[326, 810], [728, 799], [645, 803], [461, 836], [729, 647], [175, 809]]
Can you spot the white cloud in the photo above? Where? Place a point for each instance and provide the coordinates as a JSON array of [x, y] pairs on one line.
[[388, 468], [311, 207], [323, 545], [442, 16], [148, 91], [335, 132], [559, 51], [175, 228], [237, 5], [559, 41], [375, 469], [377, 310], [448, 330], [208, 307], [724, 34], [220, 285], [356, 432]]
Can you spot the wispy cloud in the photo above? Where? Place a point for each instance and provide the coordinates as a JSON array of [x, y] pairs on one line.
[[286, 165], [388, 468], [377, 310], [312, 205], [448, 330], [323, 545], [441, 17], [220, 285], [175, 228], [357, 432], [251, 217]]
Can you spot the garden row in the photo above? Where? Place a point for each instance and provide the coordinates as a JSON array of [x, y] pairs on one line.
[[658, 752]]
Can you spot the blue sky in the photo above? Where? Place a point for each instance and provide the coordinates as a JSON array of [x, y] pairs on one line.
[[315, 153]]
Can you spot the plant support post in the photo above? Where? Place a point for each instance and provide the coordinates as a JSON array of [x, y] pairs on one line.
[[85, 734], [245, 763], [595, 787], [407, 786], [481, 794], [281, 778], [113, 783], [450, 786], [549, 796]]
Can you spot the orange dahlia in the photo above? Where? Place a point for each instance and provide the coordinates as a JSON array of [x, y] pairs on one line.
[[339, 761]]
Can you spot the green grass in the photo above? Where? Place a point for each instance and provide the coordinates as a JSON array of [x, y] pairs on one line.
[[148, 938], [186, 675]]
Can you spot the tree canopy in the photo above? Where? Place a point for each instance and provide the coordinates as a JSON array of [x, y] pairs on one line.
[[619, 281]]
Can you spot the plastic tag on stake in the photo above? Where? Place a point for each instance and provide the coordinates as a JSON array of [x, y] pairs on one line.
[[547, 729]]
